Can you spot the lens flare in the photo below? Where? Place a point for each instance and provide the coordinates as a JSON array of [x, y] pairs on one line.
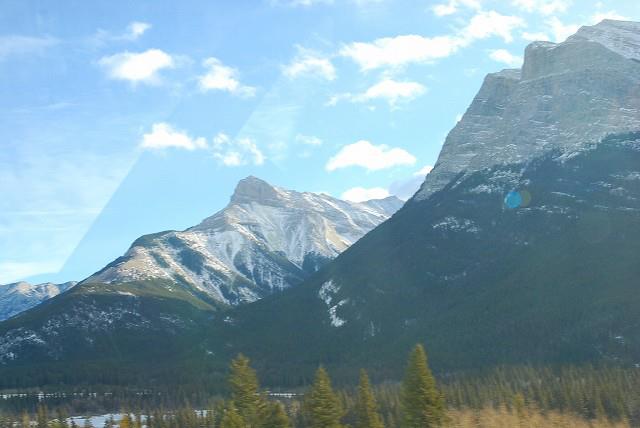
[[517, 199]]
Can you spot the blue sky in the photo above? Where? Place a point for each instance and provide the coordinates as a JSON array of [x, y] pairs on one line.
[[125, 118]]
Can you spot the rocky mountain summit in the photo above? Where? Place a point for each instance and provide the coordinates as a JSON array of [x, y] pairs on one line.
[[567, 96], [265, 240]]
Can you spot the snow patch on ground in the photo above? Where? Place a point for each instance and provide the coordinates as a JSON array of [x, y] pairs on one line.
[[327, 293]]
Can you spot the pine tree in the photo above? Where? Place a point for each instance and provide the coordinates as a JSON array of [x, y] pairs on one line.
[[231, 418], [276, 417], [245, 393], [423, 404], [366, 407], [322, 407]]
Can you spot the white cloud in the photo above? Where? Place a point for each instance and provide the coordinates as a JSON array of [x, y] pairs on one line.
[[544, 7], [308, 140], [361, 194], [366, 155], [236, 152], [24, 45], [453, 6], [492, 23], [402, 50], [163, 136], [389, 90], [534, 37], [136, 29], [310, 63], [612, 14], [220, 77], [392, 91], [506, 57], [137, 67], [560, 30]]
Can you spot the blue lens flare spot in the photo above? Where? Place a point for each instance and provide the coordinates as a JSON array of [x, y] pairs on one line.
[[513, 200]]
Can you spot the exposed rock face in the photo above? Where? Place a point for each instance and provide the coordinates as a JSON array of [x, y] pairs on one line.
[[20, 296], [265, 240], [567, 96]]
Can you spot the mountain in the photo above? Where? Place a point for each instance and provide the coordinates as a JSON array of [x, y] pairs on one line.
[[170, 284], [522, 246], [20, 296], [566, 96], [267, 239]]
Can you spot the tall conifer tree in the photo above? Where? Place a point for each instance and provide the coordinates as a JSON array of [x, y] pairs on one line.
[[322, 407], [245, 391], [367, 408], [423, 405]]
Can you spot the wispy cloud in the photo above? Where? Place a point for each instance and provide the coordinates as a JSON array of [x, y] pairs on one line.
[[368, 156], [308, 140], [142, 67], [309, 63], [236, 152], [399, 51], [389, 90], [220, 77], [17, 45], [48, 202]]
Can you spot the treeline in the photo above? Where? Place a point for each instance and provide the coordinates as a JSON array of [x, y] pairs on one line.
[[504, 397]]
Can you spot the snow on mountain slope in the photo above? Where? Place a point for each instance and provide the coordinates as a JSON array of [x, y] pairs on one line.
[[20, 296], [265, 240], [567, 96]]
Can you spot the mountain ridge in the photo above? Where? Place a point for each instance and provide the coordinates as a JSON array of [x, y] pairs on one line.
[[265, 240], [19, 296]]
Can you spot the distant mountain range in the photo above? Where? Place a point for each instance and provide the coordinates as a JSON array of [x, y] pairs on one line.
[[20, 296], [522, 246]]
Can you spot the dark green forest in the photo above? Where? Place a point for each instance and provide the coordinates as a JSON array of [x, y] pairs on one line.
[[570, 396]]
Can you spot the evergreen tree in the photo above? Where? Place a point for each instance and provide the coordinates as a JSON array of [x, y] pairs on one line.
[[87, 423], [366, 407], [231, 418], [322, 407], [276, 417], [423, 405], [245, 393]]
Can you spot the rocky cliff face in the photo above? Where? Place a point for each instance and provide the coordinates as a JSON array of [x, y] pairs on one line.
[[566, 97], [20, 296], [265, 240]]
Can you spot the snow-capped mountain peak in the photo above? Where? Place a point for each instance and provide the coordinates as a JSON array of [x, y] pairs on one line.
[[267, 238]]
